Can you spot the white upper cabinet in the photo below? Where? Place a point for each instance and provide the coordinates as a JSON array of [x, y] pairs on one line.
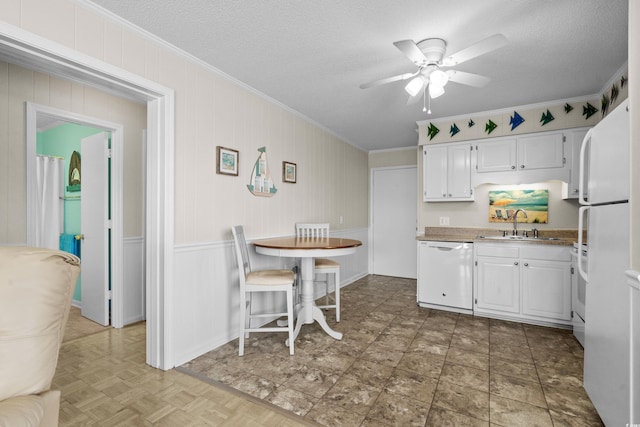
[[570, 190], [447, 172], [541, 151], [521, 159], [496, 155]]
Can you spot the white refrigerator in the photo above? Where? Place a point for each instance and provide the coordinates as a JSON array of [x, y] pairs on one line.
[[606, 349]]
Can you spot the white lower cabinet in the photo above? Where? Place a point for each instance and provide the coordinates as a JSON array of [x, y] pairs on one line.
[[546, 289], [523, 281], [498, 284]]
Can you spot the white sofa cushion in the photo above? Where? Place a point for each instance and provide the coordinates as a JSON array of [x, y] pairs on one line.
[[36, 287]]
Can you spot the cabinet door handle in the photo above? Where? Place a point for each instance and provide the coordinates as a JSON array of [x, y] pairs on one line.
[[444, 295], [515, 263], [526, 264], [513, 167], [521, 166], [449, 194], [444, 194]]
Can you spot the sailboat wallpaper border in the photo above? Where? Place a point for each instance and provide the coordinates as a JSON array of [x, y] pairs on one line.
[[504, 203]]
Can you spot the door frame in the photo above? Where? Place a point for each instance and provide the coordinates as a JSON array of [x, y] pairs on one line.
[[37, 53], [117, 189]]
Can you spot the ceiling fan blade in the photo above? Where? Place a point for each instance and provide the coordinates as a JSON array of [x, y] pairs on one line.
[[412, 51], [480, 48], [388, 80], [469, 79]]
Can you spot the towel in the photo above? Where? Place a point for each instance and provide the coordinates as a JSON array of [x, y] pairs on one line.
[[68, 243]]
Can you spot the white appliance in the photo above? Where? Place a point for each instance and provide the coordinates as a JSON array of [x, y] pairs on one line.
[[578, 292], [445, 275], [606, 348], [633, 280]]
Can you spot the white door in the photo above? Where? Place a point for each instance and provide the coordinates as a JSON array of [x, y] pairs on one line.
[[94, 219], [394, 219]]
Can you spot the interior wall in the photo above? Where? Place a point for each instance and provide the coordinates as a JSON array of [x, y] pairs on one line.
[[562, 213], [213, 110], [18, 86], [396, 157]]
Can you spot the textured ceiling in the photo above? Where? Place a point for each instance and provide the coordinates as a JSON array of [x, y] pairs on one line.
[[312, 55]]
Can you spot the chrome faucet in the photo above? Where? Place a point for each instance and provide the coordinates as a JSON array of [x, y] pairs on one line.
[[515, 222]]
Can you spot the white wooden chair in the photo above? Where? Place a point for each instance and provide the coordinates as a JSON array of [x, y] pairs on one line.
[[260, 281], [325, 266]]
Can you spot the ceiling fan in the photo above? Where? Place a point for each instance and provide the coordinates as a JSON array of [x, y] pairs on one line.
[[429, 56]]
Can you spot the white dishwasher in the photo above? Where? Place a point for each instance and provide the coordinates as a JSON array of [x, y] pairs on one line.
[[445, 275]]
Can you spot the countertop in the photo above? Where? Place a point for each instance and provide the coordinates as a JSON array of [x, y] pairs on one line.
[[472, 235]]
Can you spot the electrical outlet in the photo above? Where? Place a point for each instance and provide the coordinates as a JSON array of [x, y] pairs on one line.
[[341, 219], [444, 220]]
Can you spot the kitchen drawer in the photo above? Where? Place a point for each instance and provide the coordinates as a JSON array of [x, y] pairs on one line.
[[507, 250], [548, 252]]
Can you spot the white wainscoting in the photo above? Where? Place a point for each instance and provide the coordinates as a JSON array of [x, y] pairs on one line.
[[133, 299], [206, 291], [133, 302]]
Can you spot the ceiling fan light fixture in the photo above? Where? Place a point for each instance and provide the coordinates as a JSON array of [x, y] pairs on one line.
[[435, 91], [415, 86], [438, 78]]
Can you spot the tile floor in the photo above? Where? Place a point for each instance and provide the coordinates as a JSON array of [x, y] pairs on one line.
[[399, 364]]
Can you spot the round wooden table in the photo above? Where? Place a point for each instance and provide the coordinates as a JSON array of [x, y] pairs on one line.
[[307, 249]]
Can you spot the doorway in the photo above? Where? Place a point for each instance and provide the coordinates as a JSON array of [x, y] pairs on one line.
[[394, 221], [84, 197], [103, 263], [31, 51]]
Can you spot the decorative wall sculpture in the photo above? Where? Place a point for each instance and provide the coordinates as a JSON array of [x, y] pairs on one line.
[[261, 183]]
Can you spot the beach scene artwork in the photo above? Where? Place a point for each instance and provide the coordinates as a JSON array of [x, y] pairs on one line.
[[504, 203]]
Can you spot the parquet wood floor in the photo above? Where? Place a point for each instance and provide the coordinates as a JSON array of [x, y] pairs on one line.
[[105, 382]]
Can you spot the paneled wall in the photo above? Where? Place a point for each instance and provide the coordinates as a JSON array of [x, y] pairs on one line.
[[211, 109], [18, 86]]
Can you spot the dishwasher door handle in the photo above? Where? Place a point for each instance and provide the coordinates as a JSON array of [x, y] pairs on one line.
[[446, 248]]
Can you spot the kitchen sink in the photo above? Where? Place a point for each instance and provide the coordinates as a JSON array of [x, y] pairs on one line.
[[517, 238]]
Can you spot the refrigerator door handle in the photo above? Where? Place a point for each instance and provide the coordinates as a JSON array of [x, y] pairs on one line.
[[581, 212], [581, 183]]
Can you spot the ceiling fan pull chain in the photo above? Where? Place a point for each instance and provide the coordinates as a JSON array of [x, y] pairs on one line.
[[424, 98]]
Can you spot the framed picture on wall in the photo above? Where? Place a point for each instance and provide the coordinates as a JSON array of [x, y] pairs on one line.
[[227, 161], [289, 172]]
